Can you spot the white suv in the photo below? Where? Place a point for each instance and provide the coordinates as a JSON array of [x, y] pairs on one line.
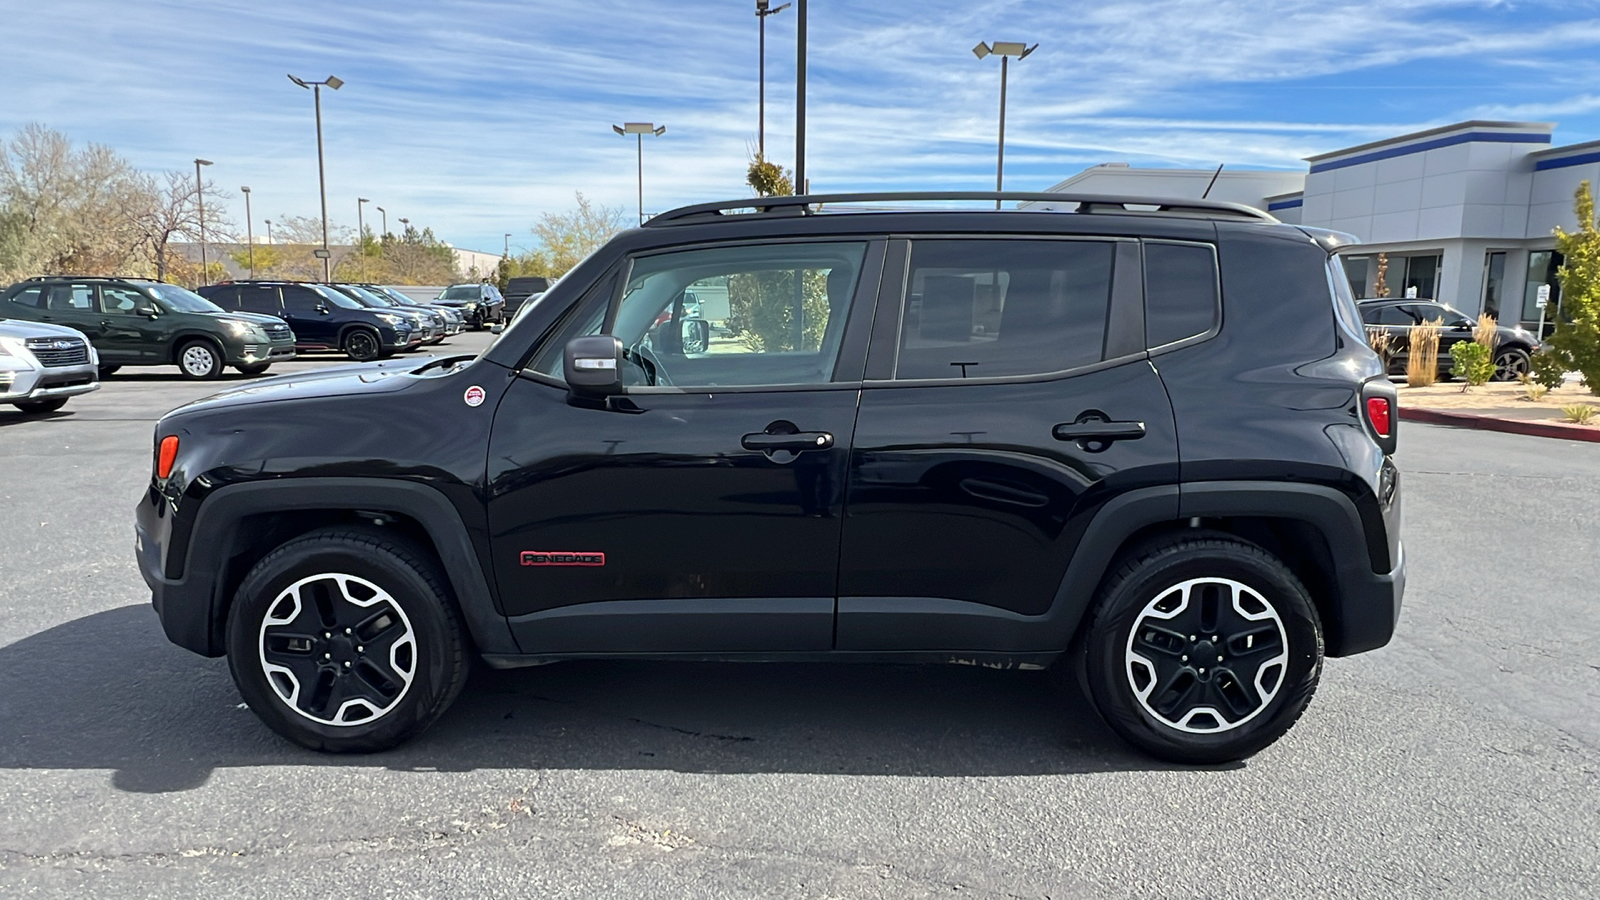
[[42, 365]]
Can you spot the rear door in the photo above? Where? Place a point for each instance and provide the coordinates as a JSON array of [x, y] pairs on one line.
[[1008, 394], [699, 511], [73, 304]]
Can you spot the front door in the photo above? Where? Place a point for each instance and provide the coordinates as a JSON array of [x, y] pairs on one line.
[[307, 313], [126, 336], [700, 510], [1017, 395]]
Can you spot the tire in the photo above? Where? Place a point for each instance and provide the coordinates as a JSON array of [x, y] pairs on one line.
[[362, 345], [1510, 362], [1147, 683], [200, 360], [38, 407], [376, 588], [254, 369], [108, 371]]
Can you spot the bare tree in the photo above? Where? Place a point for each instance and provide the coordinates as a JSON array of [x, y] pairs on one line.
[[66, 210], [565, 239]]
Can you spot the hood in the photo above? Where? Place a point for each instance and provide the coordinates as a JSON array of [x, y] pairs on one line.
[[341, 381], [18, 328], [253, 318], [456, 302]]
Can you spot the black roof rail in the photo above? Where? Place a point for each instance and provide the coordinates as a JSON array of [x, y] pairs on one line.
[[1086, 203], [148, 278]]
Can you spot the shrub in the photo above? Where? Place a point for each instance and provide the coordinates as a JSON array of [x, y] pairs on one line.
[[1422, 362], [1473, 363], [1548, 369], [1378, 340], [1578, 337], [1579, 413], [1531, 390]]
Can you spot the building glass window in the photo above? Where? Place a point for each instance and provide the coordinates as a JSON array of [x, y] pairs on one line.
[[1542, 268], [1421, 274], [1494, 283]]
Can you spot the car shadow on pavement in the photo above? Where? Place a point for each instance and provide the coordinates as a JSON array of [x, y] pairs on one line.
[[10, 415], [109, 692]]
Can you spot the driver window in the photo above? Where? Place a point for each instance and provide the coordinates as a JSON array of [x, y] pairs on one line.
[[738, 316], [121, 301]]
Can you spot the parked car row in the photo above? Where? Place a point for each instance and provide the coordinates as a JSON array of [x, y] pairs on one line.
[[104, 323], [1513, 350]]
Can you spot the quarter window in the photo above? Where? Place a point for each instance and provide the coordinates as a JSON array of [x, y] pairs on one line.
[[987, 308], [29, 297], [1180, 292]]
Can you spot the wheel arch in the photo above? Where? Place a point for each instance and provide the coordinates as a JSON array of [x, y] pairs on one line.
[[244, 522], [188, 336]]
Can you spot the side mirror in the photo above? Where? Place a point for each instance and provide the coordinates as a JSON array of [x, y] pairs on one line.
[[593, 366], [322, 308], [146, 310]]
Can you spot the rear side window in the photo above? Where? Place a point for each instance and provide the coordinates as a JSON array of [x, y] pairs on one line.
[[1180, 291], [990, 308], [1394, 315], [29, 297]]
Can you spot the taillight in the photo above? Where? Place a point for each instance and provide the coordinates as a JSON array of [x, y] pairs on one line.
[[166, 456], [1378, 414]]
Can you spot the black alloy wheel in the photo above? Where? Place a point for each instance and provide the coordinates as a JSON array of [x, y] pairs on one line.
[[346, 640], [1510, 362], [1203, 650], [362, 345]]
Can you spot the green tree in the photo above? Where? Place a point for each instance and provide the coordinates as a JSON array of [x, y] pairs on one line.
[[768, 179], [562, 240], [1577, 339], [765, 310]]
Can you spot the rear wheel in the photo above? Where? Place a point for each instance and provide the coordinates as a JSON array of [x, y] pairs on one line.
[[1510, 363], [346, 640], [35, 407], [1203, 650], [200, 360], [362, 345]]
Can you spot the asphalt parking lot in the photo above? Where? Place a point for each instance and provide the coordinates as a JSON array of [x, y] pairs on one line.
[[1461, 761]]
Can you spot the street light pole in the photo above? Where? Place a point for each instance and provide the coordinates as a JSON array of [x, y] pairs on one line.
[[385, 214], [361, 222], [200, 198], [639, 130], [335, 83], [1005, 50], [800, 186], [507, 254], [764, 8], [249, 231], [406, 223], [269, 232]]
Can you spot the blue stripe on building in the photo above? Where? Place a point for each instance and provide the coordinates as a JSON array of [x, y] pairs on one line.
[[1492, 137], [1565, 161], [1286, 204]]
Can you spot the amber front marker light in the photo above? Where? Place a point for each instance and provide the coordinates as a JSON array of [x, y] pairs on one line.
[[166, 456]]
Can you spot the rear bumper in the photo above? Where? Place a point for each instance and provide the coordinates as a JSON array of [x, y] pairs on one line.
[[1370, 610]]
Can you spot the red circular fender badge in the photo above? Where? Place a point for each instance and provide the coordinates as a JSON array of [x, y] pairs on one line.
[[474, 396]]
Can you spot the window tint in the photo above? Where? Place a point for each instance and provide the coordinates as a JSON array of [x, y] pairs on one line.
[[121, 300], [69, 297], [985, 308], [1180, 291], [29, 297], [257, 298], [1421, 313], [1393, 315], [300, 299]]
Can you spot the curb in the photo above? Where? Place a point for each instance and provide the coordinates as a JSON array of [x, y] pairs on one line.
[[1509, 426]]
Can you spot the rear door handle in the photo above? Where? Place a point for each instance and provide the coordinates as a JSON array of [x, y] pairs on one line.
[[1095, 431]]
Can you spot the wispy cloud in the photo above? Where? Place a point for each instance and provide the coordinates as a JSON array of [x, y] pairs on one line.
[[475, 116]]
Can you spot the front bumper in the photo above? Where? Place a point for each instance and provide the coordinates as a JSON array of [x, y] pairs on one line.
[[28, 382], [183, 604], [277, 351]]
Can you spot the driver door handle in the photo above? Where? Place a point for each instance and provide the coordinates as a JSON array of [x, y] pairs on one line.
[[798, 442], [1095, 431]]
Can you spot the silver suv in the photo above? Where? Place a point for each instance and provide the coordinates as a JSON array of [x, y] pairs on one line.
[[42, 365]]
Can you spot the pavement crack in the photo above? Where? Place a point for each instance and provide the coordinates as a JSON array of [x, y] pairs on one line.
[[732, 738]]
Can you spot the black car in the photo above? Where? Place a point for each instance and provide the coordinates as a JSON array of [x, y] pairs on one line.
[[481, 304], [139, 322], [522, 287], [429, 324], [1147, 438], [322, 318], [1513, 350]]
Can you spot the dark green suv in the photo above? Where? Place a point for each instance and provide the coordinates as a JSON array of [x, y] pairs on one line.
[[134, 322]]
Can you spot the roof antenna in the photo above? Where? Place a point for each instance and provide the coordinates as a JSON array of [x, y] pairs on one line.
[[1214, 176]]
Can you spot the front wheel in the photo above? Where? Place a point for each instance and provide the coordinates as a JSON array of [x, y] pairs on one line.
[[37, 407], [199, 360], [362, 345], [254, 369], [346, 640], [1203, 650], [1510, 363]]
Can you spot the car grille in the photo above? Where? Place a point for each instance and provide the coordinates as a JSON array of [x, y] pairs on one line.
[[278, 332], [59, 351]]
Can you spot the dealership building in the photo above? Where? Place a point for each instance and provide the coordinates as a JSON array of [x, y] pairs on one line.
[[1463, 214]]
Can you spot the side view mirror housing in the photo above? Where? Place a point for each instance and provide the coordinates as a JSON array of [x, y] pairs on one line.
[[146, 310], [593, 366], [322, 308]]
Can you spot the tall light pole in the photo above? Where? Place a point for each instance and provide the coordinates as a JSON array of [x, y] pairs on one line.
[[200, 197], [249, 231], [406, 223], [764, 8], [385, 214], [361, 223], [1005, 50], [800, 186], [507, 254], [639, 130], [269, 232], [334, 83]]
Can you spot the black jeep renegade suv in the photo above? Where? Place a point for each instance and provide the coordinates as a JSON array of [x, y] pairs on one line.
[[1146, 436]]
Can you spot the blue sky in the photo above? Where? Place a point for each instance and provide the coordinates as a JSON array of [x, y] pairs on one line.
[[474, 117]]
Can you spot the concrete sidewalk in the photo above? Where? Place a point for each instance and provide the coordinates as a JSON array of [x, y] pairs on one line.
[[1502, 407]]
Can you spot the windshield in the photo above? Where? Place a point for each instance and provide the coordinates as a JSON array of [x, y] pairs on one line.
[[336, 297], [372, 298], [461, 292], [396, 296], [182, 299]]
